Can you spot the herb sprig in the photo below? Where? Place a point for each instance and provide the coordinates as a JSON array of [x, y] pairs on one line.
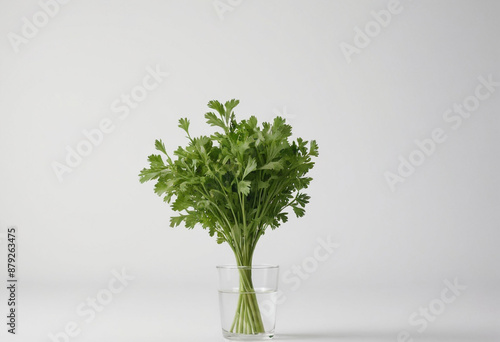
[[237, 182]]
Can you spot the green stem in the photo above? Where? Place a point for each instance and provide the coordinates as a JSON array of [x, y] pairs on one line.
[[247, 319]]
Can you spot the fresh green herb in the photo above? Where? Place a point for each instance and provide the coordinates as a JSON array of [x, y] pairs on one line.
[[235, 183]]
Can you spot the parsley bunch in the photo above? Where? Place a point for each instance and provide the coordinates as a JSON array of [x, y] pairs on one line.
[[235, 183]]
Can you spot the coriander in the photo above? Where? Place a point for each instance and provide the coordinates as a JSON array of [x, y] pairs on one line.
[[235, 183]]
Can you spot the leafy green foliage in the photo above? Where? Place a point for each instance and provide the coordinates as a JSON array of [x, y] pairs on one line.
[[235, 183]]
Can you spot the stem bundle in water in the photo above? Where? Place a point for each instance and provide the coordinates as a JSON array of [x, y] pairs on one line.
[[247, 319]]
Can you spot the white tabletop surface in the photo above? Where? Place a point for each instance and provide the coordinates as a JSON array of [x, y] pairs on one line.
[[190, 313]]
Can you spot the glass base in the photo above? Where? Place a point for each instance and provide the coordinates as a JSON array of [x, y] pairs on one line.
[[247, 337]]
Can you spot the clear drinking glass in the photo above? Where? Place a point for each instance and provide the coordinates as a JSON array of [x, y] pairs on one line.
[[247, 298]]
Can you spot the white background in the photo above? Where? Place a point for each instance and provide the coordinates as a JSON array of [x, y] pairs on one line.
[[395, 248]]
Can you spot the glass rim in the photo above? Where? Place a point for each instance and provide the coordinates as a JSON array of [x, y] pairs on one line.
[[236, 267]]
